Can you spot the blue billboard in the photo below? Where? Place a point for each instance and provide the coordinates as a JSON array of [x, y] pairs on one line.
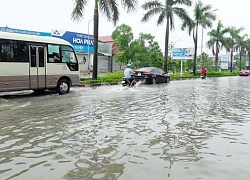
[[20, 31], [81, 42], [182, 53]]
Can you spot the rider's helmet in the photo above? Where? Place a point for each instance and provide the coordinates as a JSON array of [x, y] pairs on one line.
[[128, 65]]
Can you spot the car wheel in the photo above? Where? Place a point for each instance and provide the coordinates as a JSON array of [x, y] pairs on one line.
[[154, 80], [63, 86], [168, 80]]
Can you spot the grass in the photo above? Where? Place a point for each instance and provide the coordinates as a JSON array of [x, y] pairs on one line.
[[117, 76]]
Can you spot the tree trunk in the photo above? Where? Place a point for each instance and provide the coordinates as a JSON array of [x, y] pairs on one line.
[[216, 56], [195, 48], [95, 58], [240, 57], [231, 58], [166, 47]]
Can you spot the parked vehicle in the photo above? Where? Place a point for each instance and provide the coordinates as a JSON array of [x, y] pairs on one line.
[[244, 73], [151, 75]]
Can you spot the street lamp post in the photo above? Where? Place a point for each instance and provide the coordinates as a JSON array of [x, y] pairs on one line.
[[172, 45], [88, 47], [202, 37]]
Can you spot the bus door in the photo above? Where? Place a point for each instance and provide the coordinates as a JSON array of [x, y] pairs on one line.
[[37, 66]]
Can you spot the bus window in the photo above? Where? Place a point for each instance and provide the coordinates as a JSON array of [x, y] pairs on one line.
[[5, 54], [20, 51], [54, 53], [41, 56], [68, 55], [33, 56], [14, 51]]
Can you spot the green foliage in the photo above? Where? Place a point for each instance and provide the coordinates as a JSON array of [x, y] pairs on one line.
[[141, 52], [166, 12], [205, 61], [117, 76], [123, 36], [184, 75], [146, 52], [108, 78], [209, 74], [121, 57], [189, 64]]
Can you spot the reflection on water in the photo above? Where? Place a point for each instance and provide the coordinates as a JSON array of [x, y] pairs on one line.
[[190, 129]]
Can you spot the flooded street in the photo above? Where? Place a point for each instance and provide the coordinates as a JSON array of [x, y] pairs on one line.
[[190, 129]]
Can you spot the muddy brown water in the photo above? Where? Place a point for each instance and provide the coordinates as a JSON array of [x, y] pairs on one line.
[[192, 129]]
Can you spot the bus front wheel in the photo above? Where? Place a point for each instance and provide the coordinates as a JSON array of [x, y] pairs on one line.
[[63, 86]]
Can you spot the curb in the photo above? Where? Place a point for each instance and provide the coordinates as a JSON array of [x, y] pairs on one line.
[[98, 84]]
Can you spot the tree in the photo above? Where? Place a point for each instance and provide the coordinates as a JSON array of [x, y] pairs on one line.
[[121, 58], [123, 36], [203, 16], [232, 41], [206, 61], [166, 12], [217, 41], [144, 51], [240, 47], [247, 49], [110, 9]]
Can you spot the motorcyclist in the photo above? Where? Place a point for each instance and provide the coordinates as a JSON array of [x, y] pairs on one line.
[[128, 73], [203, 72]]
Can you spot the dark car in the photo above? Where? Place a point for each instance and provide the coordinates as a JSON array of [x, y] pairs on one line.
[[151, 75]]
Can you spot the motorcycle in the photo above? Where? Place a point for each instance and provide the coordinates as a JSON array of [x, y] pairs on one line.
[[203, 76], [125, 82]]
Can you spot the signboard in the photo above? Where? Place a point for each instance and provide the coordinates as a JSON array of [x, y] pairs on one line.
[[20, 31], [247, 63], [80, 42], [182, 53]]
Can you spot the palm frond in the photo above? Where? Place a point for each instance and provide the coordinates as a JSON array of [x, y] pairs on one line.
[[161, 18], [181, 2], [130, 5], [151, 5], [110, 9], [78, 9]]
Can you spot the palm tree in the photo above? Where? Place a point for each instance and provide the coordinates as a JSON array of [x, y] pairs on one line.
[[240, 47], [247, 46], [166, 12], [232, 41], [110, 9], [203, 16], [217, 41]]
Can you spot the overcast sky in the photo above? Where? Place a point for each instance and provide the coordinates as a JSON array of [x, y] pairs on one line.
[[56, 14]]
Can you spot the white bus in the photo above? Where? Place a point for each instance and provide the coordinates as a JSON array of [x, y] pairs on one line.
[[29, 62]]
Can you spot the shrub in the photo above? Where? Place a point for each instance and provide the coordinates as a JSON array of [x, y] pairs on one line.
[[117, 76]]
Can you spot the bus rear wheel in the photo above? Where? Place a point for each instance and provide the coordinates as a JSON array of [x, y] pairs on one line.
[[63, 86]]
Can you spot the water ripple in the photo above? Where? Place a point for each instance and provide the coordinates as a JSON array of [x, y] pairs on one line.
[[193, 128]]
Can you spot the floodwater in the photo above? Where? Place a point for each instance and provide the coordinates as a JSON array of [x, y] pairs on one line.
[[191, 129]]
